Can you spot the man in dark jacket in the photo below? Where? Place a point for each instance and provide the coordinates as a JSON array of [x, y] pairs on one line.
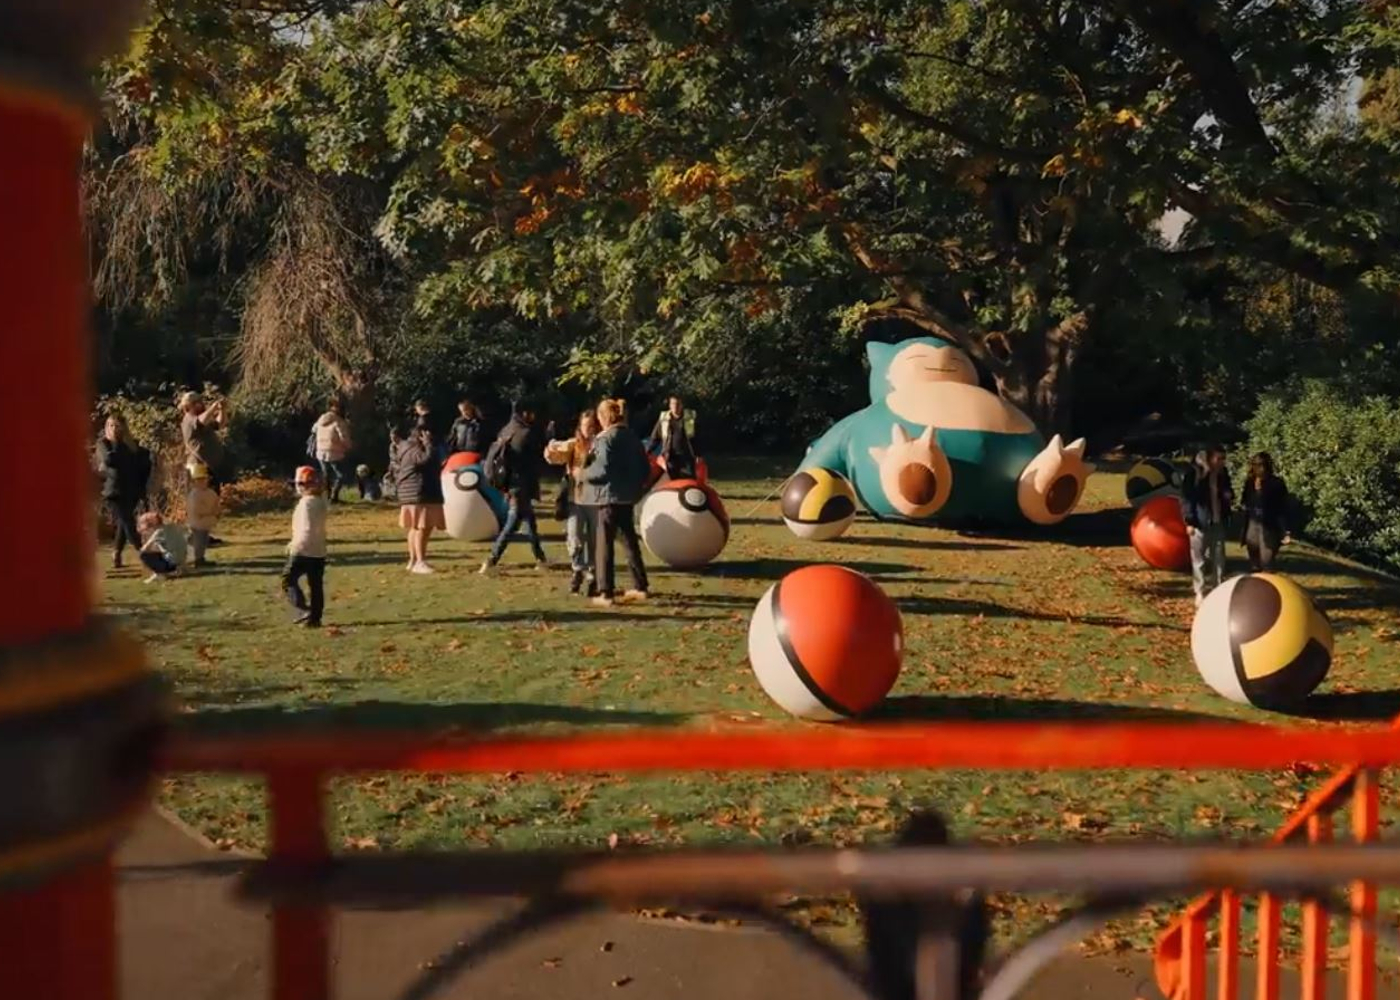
[[1206, 501], [125, 469], [613, 482], [522, 446]]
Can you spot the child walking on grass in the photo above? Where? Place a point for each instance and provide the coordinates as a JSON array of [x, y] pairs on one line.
[[201, 511], [306, 552], [162, 546]]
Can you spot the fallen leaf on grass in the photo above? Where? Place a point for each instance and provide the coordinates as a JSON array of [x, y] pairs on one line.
[[623, 981], [606, 946], [361, 843], [552, 963]]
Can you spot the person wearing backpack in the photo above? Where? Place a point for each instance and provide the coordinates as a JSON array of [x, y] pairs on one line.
[[513, 466], [613, 482]]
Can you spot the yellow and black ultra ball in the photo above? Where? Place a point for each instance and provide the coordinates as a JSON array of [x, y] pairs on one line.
[[1259, 640], [818, 504], [1150, 478]]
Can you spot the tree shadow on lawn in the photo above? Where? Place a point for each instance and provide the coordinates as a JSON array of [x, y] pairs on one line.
[[1350, 706], [988, 609], [593, 616], [959, 544], [776, 569], [417, 718], [987, 708]]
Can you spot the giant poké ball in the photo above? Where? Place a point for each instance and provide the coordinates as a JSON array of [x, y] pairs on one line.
[[684, 523], [473, 508], [1260, 640], [1159, 534], [818, 505], [826, 643], [1151, 478]]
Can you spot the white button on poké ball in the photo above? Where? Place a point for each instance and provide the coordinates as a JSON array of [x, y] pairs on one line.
[[684, 523], [826, 643], [473, 508]]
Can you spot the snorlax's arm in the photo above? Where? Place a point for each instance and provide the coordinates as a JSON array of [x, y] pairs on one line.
[[830, 450]]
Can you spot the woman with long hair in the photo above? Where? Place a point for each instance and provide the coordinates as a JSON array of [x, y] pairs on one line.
[[1265, 513], [419, 493], [573, 455]]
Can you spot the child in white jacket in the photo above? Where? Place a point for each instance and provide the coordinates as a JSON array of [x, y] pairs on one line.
[[201, 511], [306, 552]]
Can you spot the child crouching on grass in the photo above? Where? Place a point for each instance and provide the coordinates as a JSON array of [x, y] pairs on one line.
[[162, 546], [201, 512], [306, 552]]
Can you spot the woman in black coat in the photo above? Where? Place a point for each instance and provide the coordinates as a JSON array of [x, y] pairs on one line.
[[1265, 513], [124, 468], [419, 493]]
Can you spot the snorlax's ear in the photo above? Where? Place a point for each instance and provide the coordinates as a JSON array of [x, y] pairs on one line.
[[880, 357]]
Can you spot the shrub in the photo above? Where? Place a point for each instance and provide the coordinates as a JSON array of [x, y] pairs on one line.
[[1340, 454]]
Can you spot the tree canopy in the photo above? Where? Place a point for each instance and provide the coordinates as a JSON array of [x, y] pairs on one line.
[[716, 189]]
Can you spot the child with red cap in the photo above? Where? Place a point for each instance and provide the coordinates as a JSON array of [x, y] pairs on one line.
[[306, 552]]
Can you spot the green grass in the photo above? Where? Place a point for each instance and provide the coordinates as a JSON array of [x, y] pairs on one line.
[[1063, 625]]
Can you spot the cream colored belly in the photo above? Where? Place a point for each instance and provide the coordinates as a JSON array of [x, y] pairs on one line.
[[953, 406]]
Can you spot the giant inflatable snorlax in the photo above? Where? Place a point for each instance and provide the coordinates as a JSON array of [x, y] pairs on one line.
[[934, 446]]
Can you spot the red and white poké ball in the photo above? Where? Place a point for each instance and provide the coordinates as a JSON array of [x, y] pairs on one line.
[[473, 508], [684, 523], [826, 643]]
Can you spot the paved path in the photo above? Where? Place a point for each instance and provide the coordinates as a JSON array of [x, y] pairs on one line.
[[184, 938]]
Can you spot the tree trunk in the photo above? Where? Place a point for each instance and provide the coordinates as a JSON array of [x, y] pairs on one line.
[[357, 390]]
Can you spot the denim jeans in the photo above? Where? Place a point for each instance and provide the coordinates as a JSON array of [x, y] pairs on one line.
[[521, 512], [579, 536]]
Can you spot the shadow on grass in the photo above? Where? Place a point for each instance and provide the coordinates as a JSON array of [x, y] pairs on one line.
[[930, 544], [418, 718], [992, 708], [1351, 706], [1092, 529], [776, 569], [988, 609], [594, 616]]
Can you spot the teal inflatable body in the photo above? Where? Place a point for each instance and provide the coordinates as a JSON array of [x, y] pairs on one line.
[[933, 446]]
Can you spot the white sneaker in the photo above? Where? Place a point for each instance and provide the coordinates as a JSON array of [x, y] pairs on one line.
[[487, 569], [422, 569], [153, 578]]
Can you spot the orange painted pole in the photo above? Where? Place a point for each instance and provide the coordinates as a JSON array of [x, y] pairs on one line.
[[1193, 958], [1315, 925], [1267, 982], [57, 932], [1016, 746], [1361, 950], [301, 968], [1228, 970]]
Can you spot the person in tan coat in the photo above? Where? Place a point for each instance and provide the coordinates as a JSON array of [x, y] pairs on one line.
[[333, 444]]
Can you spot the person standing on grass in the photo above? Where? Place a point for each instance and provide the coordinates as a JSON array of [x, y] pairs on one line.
[[520, 447], [613, 482], [199, 430], [673, 440], [466, 429], [573, 454], [306, 552], [124, 468], [1206, 501], [201, 513], [1265, 506], [333, 444], [419, 493]]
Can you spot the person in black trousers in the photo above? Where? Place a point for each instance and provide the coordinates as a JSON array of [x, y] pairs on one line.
[[613, 482], [125, 468], [1265, 513]]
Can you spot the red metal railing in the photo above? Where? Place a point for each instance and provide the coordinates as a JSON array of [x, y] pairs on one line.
[[1182, 954], [297, 768]]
